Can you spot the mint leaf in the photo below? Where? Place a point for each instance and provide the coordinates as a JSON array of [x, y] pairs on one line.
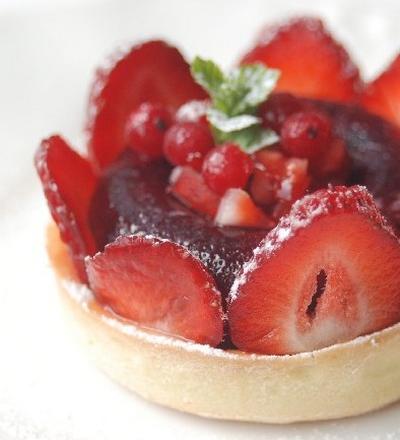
[[255, 82], [208, 75], [245, 88], [226, 124], [250, 139], [235, 99]]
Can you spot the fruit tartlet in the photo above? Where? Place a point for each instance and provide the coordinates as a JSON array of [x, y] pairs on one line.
[[229, 245]]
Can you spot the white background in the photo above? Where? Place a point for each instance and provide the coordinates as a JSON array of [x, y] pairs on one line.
[[48, 52]]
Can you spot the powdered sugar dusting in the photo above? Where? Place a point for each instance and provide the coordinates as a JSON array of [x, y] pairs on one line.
[[192, 111], [84, 297], [303, 213], [79, 292]]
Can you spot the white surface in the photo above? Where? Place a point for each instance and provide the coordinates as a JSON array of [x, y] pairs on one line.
[[48, 390]]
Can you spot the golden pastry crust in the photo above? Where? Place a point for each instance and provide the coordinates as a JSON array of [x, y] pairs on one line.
[[340, 381]]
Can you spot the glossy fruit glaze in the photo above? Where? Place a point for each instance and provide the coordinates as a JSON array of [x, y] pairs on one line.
[[131, 196]]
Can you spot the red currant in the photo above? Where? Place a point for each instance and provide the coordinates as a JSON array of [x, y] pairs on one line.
[[227, 166], [277, 108], [186, 143], [306, 134], [146, 127]]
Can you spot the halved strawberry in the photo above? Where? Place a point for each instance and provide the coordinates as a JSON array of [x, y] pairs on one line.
[[312, 63], [68, 183], [327, 273], [382, 96], [189, 187], [159, 285], [153, 72], [238, 209]]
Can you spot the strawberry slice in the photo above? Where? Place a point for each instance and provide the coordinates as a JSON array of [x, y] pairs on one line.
[[238, 209], [188, 186], [159, 285], [312, 63], [327, 273], [153, 72], [382, 96], [68, 183]]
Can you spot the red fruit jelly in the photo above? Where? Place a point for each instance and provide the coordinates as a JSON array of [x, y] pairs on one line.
[[132, 197]]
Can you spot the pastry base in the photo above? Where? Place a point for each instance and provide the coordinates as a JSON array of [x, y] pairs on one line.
[[340, 381]]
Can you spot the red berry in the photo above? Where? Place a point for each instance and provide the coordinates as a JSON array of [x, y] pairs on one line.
[[382, 96], [312, 63], [306, 134], [160, 285], [186, 143], [152, 72], [316, 279], [227, 166], [145, 129], [69, 184], [276, 109]]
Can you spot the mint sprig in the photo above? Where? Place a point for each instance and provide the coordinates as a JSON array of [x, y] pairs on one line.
[[235, 98]]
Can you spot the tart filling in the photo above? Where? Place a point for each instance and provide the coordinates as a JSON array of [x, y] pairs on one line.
[[255, 209]]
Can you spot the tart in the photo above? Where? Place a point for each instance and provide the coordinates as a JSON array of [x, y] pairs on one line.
[[229, 247]]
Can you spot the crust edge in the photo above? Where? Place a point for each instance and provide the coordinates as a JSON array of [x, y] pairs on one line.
[[341, 381]]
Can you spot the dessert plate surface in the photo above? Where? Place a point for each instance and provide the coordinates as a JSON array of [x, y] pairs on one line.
[[48, 388]]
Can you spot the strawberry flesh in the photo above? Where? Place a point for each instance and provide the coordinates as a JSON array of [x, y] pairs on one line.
[[153, 72], [312, 63], [188, 186], [69, 184], [159, 285], [238, 209], [382, 96], [317, 278], [131, 196]]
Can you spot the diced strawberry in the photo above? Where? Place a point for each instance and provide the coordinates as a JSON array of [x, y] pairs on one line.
[[382, 96], [264, 187], [159, 285], [317, 278], [312, 63], [189, 187], [271, 160], [68, 183], [293, 186], [153, 72], [238, 209], [279, 181]]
